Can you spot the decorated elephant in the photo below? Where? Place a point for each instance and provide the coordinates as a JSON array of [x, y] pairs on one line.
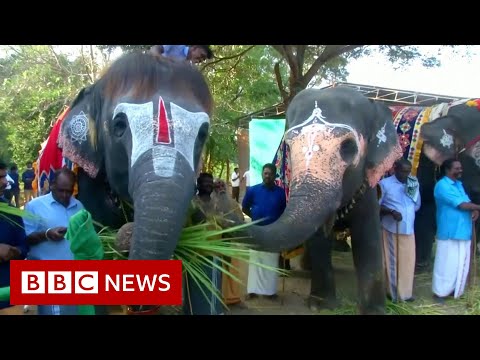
[[137, 135], [340, 144], [428, 136], [453, 133]]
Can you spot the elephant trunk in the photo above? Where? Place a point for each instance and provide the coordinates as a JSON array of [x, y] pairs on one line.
[[304, 214], [160, 205]]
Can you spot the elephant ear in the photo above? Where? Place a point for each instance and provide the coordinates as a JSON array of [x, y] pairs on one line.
[[383, 145], [78, 137]]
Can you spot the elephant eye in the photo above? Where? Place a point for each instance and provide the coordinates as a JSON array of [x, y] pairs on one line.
[[203, 132], [348, 150], [119, 124]]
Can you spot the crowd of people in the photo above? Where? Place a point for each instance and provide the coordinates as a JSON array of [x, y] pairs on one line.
[[43, 237]]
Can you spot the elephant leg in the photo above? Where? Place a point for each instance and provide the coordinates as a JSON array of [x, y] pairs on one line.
[[322, 291], [424, 235], [367, 254]]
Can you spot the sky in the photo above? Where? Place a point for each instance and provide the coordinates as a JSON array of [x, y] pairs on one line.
[[457, 76]]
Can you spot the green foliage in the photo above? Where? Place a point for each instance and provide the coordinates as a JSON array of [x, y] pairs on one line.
[[37, 82], [242, 81]]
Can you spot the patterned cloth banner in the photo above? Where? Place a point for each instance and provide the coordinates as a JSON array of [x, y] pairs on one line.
[[51, 159]]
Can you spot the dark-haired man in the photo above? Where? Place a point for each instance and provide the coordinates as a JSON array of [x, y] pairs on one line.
[[13, 243], [196, 302], [399, 201], [455, 213], [265, 201], [45, 234]]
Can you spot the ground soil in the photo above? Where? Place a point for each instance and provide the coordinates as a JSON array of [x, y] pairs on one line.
[[293, 291]]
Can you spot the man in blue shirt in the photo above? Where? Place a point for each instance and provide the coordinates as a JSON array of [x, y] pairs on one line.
[[194, 53], [265, 201], [45, 234], [455, 213], [13, 243]]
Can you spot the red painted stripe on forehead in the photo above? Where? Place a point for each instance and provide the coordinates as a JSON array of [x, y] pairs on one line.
[[163, 124]]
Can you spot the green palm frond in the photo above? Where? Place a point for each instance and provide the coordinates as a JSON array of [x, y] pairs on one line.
[[196, 247], [6, 210]]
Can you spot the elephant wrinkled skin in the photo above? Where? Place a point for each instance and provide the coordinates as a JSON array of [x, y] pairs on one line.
[[341, 144], [137, 135]]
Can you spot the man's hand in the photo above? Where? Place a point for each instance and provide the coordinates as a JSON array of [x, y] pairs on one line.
[[8, 252], [57, 233], [4, 252], [396, 215], [475, 214]]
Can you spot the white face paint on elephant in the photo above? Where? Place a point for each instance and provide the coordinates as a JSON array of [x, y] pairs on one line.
[[166, 137]]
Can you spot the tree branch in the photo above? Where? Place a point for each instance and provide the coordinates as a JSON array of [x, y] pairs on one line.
[[330, 52], [227, 57], [301, 57], [278, 77], [280, 50], [292, 62]]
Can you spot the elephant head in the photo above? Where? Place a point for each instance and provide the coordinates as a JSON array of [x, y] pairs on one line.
[[457, 135], [143, 124], [339, 141]]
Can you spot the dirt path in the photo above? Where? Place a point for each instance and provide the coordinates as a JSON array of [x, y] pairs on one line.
[[294, 290], [297, 287]]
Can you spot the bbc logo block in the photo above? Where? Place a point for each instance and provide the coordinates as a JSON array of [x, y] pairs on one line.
[[96, 282], [59, 282]]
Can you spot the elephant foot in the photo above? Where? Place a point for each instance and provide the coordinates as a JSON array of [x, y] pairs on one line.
[[124, 237], [316, 303]]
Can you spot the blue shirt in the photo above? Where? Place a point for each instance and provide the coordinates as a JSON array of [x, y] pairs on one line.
[[453, 223], [177, 51], [50, 214], [394, 197], [264, 202], [14, 235], [27, 178]]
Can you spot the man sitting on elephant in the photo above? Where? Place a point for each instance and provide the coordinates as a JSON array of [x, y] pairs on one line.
[[399, 201], [194, 53]]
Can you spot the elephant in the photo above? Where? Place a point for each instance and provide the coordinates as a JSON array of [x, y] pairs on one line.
[[137, 135], [340, 145], [456, 134]]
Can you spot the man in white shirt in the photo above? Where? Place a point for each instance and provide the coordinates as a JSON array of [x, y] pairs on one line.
[[399, 201], [235, 181], [246, 177]]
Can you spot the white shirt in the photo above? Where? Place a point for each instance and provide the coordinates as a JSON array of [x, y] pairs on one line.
[[10, 182], [235, 183], [246, 176], [394, 197]]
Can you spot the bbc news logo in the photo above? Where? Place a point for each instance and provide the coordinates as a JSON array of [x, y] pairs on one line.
[[96, 282]]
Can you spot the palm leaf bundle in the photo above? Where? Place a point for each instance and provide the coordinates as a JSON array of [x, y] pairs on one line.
[[196, 247], [6, 210]]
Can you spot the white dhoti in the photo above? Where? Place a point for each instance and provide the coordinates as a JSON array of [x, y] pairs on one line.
[[450, 270], [262, 281]]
